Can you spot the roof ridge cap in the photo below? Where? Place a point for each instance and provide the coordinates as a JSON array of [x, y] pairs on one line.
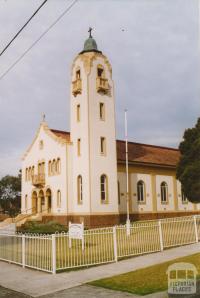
[[150, 145]]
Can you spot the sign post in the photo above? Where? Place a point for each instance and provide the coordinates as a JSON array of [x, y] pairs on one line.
[[76, 231]]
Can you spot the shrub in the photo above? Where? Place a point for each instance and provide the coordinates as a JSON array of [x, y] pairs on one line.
[[42, 228]]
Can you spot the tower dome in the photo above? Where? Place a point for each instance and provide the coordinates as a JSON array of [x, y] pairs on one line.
[[90, 44]]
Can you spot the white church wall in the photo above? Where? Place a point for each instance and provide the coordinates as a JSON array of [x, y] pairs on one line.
[[122, 183], [70, 197], [51, 150]]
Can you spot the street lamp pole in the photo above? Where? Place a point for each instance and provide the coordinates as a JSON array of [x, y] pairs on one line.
[[127, 175]]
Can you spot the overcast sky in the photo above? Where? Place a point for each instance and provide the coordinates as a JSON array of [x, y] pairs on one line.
[[153, 46]]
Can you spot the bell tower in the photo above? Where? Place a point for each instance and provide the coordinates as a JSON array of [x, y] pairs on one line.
[[92, 108]]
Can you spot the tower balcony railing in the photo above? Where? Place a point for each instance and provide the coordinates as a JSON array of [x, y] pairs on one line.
[[77, 86], [38, 180], [102, 85]]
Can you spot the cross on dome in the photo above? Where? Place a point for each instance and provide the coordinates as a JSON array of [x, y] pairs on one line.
[[90, 32]]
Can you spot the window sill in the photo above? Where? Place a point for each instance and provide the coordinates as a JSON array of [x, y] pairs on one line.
[[141, 203], [103, 154], [104, 202]]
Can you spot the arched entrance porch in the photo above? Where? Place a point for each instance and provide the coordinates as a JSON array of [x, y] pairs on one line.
[[48, 200], [34, 202], [41, 202]]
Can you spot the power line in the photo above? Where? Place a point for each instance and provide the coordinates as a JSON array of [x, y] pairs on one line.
[[37, 40], [23, 27]]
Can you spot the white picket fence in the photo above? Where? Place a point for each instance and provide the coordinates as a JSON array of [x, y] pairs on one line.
[[52, 253]]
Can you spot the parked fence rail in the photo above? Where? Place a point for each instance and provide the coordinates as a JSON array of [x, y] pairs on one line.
[[57, 252]]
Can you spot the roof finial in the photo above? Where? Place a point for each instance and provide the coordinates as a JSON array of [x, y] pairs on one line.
[[43, 117], [90, 32]]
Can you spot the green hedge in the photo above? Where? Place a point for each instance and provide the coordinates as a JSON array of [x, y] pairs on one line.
[[42, 228]]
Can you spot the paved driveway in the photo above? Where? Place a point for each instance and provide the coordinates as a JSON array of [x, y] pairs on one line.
[[85, 291]]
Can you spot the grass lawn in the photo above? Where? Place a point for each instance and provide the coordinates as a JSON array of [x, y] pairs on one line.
[[145, 281]]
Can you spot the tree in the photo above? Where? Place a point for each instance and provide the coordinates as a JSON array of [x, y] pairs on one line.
[[188, 168], [10, 194]]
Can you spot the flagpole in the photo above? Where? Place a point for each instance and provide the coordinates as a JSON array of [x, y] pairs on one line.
[[127, 175]]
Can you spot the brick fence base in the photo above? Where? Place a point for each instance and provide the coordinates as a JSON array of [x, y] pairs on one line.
[[92, 221]]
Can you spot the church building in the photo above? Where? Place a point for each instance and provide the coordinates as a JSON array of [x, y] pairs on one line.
[[80, 176]]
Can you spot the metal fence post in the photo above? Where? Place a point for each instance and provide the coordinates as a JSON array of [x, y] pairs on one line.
[[23, 251], [195, 228], [160, 235], [53, 254], [115, 243]]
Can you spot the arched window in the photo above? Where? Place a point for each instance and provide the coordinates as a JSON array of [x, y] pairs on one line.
[[103, 145], [39, 168], [102, 111], [41, 144], [78, 113], [26, 175], [49, 167], [32, 171], [26, 202], [58, 199], [53, 167], [118, 185], [79, 147], [183, 197], [78, 73], [164, 192], [29, 173], [100, 71], [58, 166], [104, 188], [80, 189], [43, 168], [141, 191]]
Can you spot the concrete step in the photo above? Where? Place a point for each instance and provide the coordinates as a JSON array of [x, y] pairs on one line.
[[36, 217], [6, 222]]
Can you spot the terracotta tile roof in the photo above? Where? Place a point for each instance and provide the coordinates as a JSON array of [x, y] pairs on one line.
[[62, 134], [139, 153], [150, 154]]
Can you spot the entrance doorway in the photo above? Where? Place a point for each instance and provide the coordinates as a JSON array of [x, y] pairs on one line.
[[34, 203], [48, 196], [42, 201]]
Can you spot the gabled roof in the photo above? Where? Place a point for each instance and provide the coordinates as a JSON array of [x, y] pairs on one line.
[[139, 153], [148, 154], [60, 133]]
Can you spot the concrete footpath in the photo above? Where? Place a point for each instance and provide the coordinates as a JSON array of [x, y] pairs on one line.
[[37, 283]]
